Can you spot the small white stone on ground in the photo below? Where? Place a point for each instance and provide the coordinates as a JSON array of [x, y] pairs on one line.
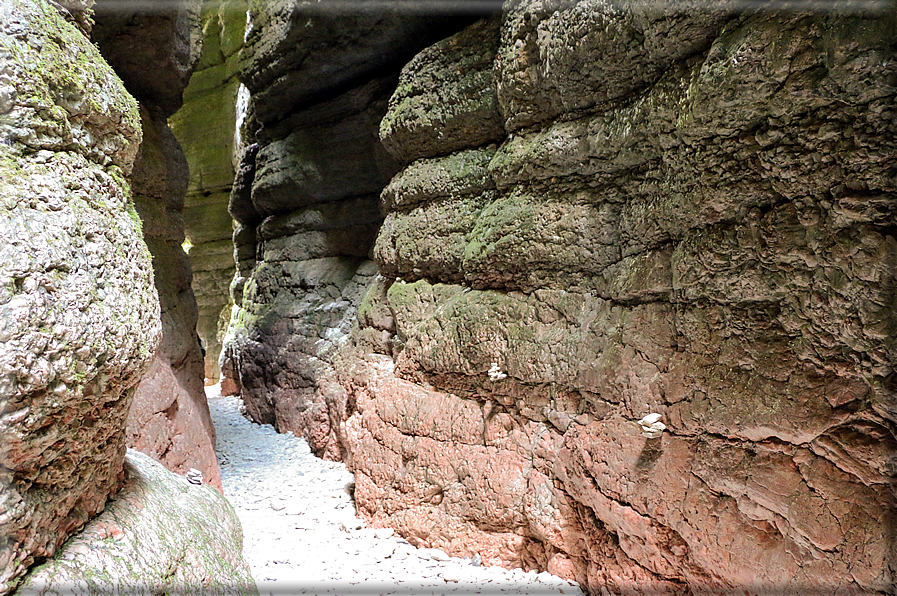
[[301, 536]]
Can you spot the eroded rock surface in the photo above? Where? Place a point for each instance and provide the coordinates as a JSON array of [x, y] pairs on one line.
[[698, 224], [306, 198], [159, 535], [170, 417], [79, 316], [702, 227]]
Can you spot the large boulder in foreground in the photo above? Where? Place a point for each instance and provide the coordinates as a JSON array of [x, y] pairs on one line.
[[79, 316], [160, 535]]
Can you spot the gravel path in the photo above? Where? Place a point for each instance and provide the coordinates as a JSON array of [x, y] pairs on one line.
[[301, 535]]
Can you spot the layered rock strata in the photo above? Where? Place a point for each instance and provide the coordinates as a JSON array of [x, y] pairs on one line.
[[170, 417], [79, 316], [142, 545], [700, 226], [311, 264], [206, 126], [306, 202]]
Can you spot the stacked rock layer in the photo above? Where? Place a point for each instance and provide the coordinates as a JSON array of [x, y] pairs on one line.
[[701, 226], [697, 224], [306, 200]]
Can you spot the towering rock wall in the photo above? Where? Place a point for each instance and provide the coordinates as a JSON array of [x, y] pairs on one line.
[[205, 126], [306, 198], [607, 213], [601, 213], [155, 54], [79, 316]]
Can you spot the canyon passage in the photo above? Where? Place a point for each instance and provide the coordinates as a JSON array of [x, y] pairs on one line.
[[601, 292]]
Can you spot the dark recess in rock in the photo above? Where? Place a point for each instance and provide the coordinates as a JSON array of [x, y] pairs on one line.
[[297, 56], [155, 53]]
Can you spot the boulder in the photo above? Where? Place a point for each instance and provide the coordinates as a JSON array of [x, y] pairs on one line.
[[79, 315], [160, 534]]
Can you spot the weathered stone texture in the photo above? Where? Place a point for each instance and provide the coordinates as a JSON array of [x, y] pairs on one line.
[[170, 417], [428, 117], [331, 153], [79, 316], [544, 45], [604, 212], [298, 54], [206, 126], [306, 198], [700, 226], [159, 535]]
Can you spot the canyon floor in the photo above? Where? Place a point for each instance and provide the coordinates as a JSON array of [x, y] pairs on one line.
[[301, 535]]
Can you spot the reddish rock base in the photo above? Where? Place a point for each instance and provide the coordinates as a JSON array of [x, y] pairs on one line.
[[169, 423]]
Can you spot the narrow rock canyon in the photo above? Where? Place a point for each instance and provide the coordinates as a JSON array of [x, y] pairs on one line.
[[593, 213], [465, 250]]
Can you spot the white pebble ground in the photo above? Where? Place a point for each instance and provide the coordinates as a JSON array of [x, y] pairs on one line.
[[301, 536]]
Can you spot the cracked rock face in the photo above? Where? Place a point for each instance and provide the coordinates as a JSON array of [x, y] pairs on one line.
[[79, 316], [700, 227]]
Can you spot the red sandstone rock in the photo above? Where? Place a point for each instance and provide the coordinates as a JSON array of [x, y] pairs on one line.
[[172, 427], [635, 258], [699, 224], [170, 417]]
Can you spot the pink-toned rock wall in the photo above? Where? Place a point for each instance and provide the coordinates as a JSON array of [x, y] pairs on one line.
[[602, 213], [698, 224]]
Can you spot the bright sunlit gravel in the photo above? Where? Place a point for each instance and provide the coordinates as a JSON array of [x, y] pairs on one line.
[[301, 535]]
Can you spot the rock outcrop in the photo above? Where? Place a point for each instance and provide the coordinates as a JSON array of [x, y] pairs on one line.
[[79, 316], [206, 126], [700, 226], [155, 54], [306, 198], [602, 213], [159, 535]]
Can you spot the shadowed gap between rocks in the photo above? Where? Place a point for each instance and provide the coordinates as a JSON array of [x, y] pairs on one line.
[[699, 226]]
